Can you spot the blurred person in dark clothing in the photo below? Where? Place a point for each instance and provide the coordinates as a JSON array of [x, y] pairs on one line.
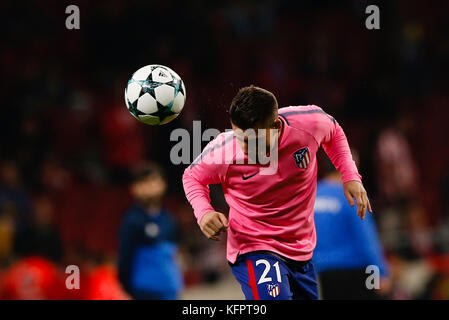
[[7, 226], [147, 246], [33, 231], [41, 237], [13, 193], [346, 245]]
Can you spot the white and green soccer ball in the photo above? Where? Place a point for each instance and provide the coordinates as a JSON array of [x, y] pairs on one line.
[[155, 94]]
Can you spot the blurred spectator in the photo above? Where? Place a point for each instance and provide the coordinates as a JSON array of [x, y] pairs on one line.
[[103, 284], [396, 168], [32, 146], [12, 193], [41, 237], [53, 176], [32, 278], [147, 255], [7, 226]]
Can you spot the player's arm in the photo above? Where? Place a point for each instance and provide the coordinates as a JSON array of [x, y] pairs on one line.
[[196, 179], [335, 144]]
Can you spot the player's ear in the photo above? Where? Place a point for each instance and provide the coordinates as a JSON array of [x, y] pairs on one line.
[[277, 124]]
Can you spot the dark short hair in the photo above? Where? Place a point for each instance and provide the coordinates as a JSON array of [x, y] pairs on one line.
[[144, 170], [252, 106]]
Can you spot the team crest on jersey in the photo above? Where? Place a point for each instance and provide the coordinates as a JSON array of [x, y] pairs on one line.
[[273, 290], [302, 157]]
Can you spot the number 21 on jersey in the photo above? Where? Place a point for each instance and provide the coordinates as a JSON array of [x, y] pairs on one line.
[[263, 278]]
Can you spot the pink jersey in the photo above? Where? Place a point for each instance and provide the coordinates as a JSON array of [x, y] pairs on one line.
[[272, 212]]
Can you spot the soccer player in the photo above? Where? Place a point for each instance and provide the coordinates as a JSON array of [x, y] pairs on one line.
[[346, 246], [147, 255], [270, 228]]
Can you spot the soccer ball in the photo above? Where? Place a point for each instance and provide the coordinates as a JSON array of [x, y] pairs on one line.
[[155, 94]]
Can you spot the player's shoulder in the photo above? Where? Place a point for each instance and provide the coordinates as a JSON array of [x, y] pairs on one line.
[[299, 109], [296, 114], [310, 118]]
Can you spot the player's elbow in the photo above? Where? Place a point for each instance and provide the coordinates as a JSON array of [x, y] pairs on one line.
[[186, 178]]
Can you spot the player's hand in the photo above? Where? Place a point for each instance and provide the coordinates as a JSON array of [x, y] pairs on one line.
[[355, 189], [213, 224]]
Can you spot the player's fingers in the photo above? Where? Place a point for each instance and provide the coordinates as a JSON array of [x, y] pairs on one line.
[[366, 203], [214, 237], [349, 197], [358, 202], [208, 232], [211, 225], [217, 224], [363, 213], [213, 231], [361, 206], [204, 231], [223, 219], [369, 205]]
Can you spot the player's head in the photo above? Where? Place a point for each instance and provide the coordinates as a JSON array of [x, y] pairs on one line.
[[148, 182], [254, 108]]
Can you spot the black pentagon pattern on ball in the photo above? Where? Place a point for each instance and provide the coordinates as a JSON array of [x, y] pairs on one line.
[[177, 84], [163, 111], [148, 86], [155, 66], [133, 109]]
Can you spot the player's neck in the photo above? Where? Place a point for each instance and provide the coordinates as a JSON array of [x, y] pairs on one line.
[[280, 131], [278, 137]]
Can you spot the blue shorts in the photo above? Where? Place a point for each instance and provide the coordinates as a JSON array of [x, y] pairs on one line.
[[266, 276]]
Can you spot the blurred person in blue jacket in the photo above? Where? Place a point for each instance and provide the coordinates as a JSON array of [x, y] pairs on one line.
[[346, 245], [147, 246]]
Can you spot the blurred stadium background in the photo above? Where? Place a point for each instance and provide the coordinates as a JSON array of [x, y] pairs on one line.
[[67, 140]]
